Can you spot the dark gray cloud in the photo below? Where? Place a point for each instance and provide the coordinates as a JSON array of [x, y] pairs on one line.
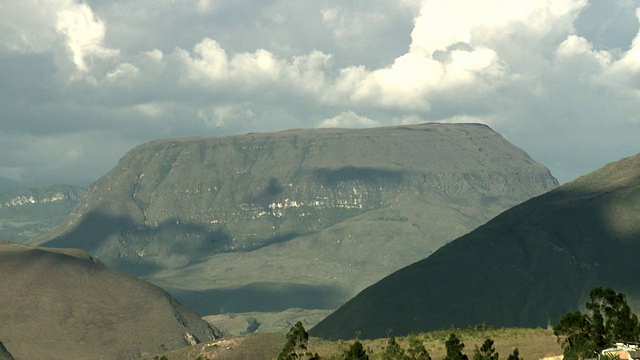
[[81, 83]]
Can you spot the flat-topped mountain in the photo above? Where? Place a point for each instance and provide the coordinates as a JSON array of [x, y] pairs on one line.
[[300, 218], [526, 267], [28, 212], [64, 304]]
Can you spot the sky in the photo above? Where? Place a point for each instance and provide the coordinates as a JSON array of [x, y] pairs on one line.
[[83, 82]]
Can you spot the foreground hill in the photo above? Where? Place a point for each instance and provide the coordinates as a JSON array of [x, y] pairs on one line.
[[64, 304], [27, 212], [301, 218], [4, 353], [531, 343], [527, 266]]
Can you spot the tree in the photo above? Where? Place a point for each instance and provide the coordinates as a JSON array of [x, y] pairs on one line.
[[486, 352], [612, 318], [608, 319], [416, 350], [454, 348], [296, 344], [393, 351], [515, 355], [356, 352], [574, 334]]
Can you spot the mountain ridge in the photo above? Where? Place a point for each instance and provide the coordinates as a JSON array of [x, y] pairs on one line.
[[201, 214], [28, 212], [526, 267]]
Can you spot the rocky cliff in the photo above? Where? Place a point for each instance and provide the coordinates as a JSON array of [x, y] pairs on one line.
[[28, 212], [301, 218]]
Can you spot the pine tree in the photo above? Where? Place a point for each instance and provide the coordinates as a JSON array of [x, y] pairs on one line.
[[356, 352], [296, 344], [454, 348]]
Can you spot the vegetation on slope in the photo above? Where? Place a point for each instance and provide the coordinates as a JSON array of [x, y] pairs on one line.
[[526, 267], [64, 304], [532, 344], [234, 223], [607, 321]]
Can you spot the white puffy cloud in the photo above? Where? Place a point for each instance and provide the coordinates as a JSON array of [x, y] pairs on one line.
[[552, 76], [32, 26], [348, 119], [83, 32]]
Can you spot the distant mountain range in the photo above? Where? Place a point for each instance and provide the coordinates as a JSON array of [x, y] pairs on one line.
[[65, 304], [301, 218], [526, 267], [28, 212]]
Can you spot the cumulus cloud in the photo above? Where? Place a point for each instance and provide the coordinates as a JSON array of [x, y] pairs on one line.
[[547, 74], [83, 32], [34, 27], [348, 119]]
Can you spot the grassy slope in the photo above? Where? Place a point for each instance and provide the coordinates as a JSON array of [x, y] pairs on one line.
[[62, 304], [532, 263], [532, 344]]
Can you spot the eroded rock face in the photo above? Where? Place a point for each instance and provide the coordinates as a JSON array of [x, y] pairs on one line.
[[360, 203]]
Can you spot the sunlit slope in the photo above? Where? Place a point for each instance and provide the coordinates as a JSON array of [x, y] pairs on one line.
[[64, 304], [301, 218], [527, 266]]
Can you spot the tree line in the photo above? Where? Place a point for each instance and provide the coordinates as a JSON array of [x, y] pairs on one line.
[[608, 320], [296, 349]]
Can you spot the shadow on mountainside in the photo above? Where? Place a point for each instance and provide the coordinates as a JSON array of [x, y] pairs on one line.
[[264, 297], [524, 268], [141, 250], [331, 177]]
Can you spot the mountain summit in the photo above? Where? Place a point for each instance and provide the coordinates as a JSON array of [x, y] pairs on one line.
[[300, 218], [526, 267]]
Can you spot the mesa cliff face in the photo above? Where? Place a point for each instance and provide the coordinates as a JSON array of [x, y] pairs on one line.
[[329, 208], [28, 212]]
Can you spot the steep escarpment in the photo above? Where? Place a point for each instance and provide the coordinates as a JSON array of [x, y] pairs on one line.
[[324, 212], [28, 212], [526, 267], [64, 304]]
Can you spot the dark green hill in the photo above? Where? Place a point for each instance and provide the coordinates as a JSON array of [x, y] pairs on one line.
[[64, 304], [301, 218], [527, 266], [27, 212]]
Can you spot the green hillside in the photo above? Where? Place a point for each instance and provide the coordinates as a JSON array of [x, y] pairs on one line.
[[301, 218], [527, 266]]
